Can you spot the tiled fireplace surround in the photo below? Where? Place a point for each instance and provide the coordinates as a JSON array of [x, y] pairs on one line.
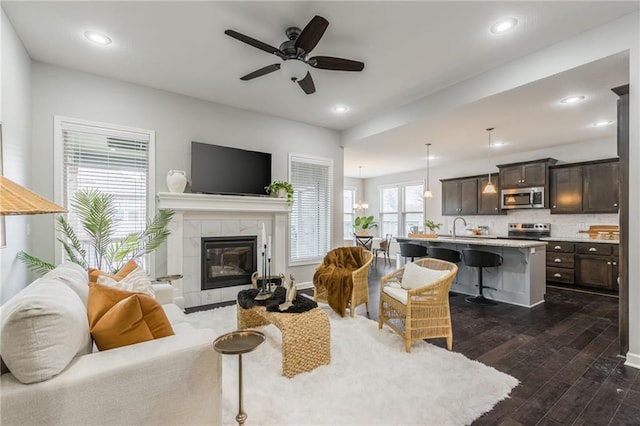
[[203, 215]]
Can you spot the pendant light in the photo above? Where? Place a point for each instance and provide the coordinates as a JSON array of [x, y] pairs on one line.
[[427, 193], [361, 205], [489, 189]]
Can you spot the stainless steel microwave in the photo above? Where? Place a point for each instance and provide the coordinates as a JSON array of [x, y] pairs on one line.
[[523, 198]]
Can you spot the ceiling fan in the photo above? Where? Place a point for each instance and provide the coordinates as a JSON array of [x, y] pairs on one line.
[[294, 53]]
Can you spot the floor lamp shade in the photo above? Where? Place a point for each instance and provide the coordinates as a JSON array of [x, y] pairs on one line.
[[18, 200]]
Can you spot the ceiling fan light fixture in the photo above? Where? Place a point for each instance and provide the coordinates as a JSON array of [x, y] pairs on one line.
[[294, 69]]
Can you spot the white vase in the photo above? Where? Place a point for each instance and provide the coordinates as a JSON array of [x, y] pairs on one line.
[[176, 180]]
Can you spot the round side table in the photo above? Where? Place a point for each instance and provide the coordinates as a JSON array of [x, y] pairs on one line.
[[237, 343]]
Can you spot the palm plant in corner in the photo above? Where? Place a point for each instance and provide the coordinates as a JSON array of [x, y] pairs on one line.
[[96, 213]]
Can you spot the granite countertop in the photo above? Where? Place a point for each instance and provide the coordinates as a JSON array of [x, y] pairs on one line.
[[480, 241], [581, 239]]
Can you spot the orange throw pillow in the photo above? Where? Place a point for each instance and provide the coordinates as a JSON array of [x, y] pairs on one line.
[[120, 318], [128, 267]]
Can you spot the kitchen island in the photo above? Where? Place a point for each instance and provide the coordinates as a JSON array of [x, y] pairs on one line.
[[520, 280]]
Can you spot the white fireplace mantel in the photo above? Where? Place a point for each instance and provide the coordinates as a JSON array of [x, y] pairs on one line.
[[205, 215], [221, 203]]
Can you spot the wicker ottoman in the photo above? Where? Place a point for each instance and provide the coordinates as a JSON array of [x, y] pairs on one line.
[[306, 337]]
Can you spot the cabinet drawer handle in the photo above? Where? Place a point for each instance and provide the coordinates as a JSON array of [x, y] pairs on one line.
[[557, 275], [615, 263], [615, 204], [593, 249], [608, 263], [557, 260], [554, 206], [557, 248]]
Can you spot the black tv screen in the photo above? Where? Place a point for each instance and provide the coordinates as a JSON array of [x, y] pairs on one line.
[[223, 170]]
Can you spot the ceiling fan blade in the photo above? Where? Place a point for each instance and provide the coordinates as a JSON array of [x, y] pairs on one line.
[[307, 84], [311, 34], [255, 43], [336, 64], [261, 72]]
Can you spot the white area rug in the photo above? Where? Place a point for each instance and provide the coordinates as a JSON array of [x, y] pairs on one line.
[[371, 380]]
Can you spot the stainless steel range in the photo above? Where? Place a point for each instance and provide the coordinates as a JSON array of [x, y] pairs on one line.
[[529, 231]]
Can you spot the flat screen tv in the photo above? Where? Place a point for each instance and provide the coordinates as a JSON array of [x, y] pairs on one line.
[[223, 170]]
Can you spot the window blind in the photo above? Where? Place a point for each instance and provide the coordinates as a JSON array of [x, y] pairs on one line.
[[312, 181], [111, 160]]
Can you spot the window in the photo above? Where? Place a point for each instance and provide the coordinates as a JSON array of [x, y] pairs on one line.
[[402, 207], [389, 210], [349, 201], [312, 181], [109, 158]]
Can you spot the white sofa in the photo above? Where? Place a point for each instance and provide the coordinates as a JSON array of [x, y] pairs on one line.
[[169, 381]]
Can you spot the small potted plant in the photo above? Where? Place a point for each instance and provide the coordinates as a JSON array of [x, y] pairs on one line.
[[362, 224], [280, 189], [433, 227]]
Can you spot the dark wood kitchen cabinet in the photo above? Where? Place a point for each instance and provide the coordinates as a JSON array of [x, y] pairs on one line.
[[489, 203], [460, 196], [588, 187], [601, 187], [588, 265], [565, 185], [520, 175]]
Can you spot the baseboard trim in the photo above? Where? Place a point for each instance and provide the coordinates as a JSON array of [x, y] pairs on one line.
[[633, 360]]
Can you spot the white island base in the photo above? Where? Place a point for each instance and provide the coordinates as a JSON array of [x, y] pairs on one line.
[[520, 280]]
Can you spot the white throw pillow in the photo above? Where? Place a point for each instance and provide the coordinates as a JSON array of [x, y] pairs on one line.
[[416, 276], [137, 281], [75, 276], [42, 329]]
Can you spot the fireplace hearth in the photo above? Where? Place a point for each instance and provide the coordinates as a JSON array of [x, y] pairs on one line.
[[228, 261]]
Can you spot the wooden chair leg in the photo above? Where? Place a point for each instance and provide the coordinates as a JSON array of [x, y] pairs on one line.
[[407, 344], [449, 342]]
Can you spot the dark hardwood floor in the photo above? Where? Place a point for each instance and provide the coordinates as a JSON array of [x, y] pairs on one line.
[[564, 353]]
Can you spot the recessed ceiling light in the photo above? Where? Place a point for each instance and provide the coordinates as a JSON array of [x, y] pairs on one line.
[[340, 109], [497, 144], [504, 25], [572, 99], [602, 123], [97, 38]]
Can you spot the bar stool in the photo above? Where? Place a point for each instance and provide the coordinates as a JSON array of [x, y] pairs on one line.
[[449, 255], [481, 259], [412, 251]]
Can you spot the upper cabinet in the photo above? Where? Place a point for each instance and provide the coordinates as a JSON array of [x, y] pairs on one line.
[[463, 196], [566, 189], [459, 196], [530, 173], [590, 187], [601, 187], [489, 203]]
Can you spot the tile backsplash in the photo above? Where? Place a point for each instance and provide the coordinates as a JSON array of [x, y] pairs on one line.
[[562, 225]]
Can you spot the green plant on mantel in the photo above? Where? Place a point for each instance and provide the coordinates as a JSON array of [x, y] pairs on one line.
[[96, 213], [275, 188], [432, 225]]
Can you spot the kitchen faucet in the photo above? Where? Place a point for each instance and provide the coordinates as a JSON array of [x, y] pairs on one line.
[[454, 224]]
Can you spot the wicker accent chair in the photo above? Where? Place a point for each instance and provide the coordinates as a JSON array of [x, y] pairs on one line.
[[425, 312], [360, 291]]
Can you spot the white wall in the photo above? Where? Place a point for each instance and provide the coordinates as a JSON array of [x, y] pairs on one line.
[[16, 141], [177, 120]]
